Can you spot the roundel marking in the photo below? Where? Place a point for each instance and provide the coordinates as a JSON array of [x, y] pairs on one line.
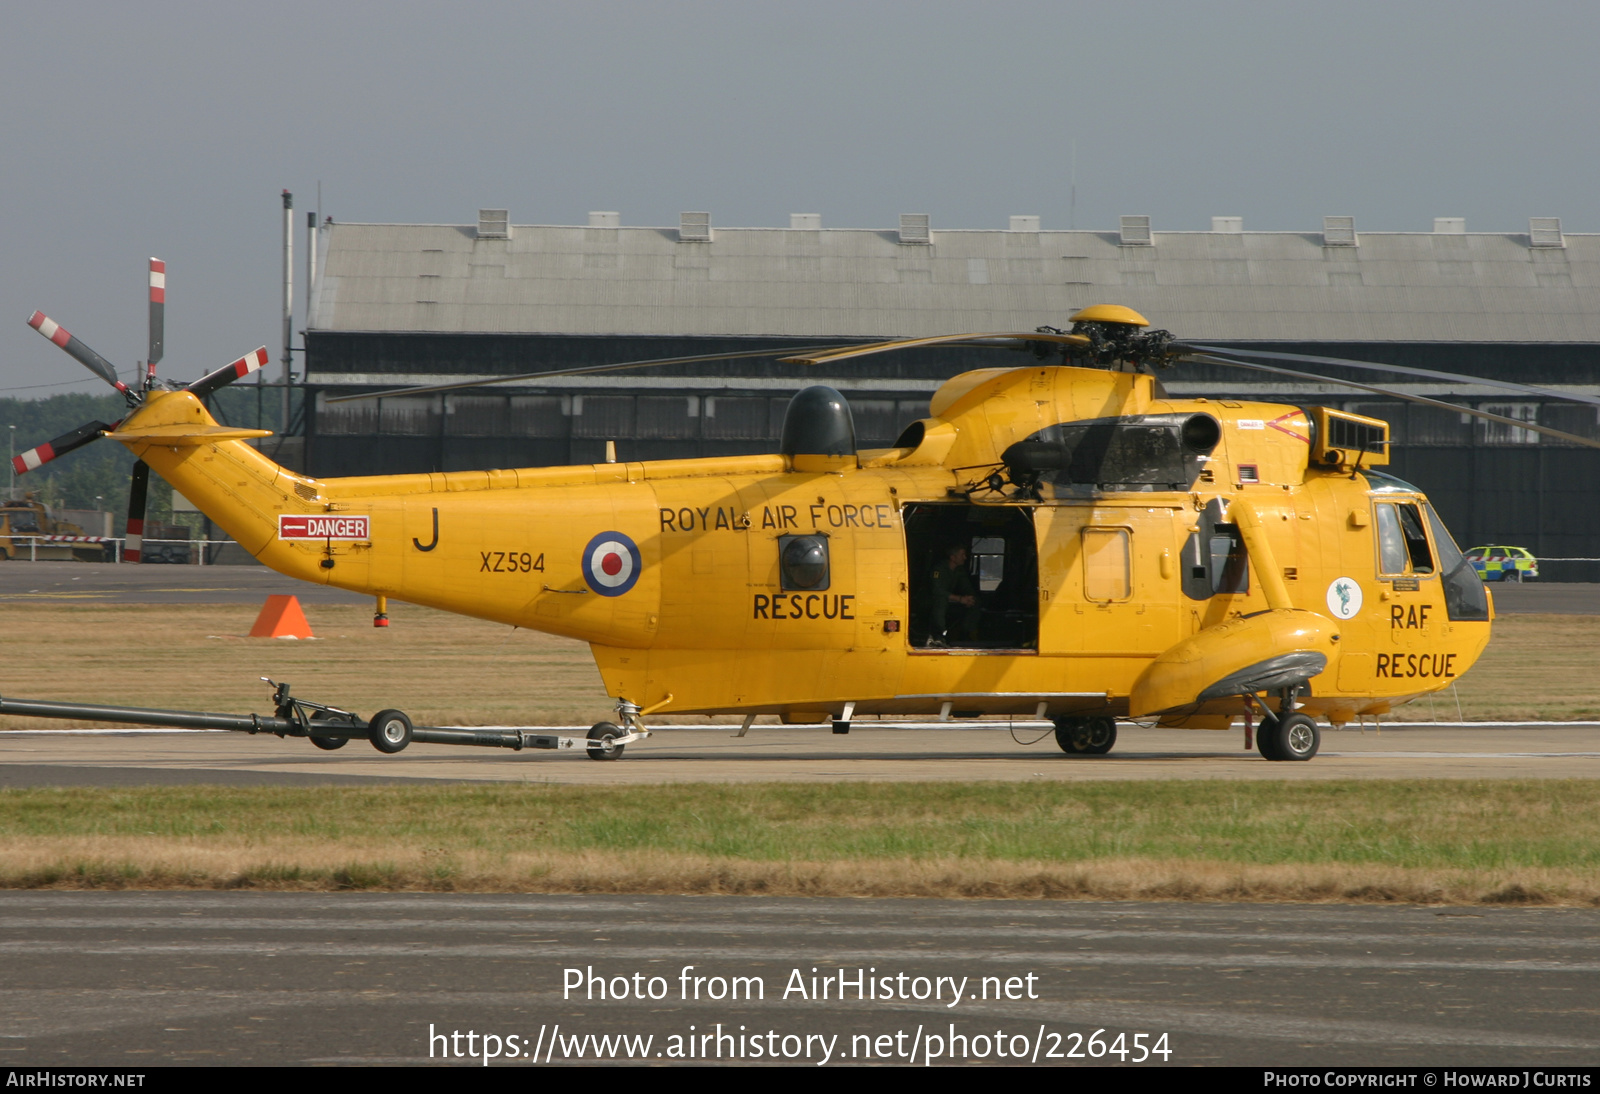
[[611, 564], [1344, 597]]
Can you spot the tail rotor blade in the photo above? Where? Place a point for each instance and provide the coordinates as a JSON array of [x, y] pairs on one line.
[[85, 356], [158, 309], [227, 374], [37, 457], [133, 545]]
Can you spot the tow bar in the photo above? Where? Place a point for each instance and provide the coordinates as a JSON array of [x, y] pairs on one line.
[[329, 727]]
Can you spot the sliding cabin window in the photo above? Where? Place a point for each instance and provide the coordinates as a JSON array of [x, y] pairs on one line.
[[1107, 566], [1403, 548]]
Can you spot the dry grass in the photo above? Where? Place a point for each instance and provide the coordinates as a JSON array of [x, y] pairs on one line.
[[353, 868], [441, 669], [1499, 842], [446, 670], [1536, 666]]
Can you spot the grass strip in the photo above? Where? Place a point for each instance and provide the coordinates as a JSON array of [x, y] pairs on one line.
[[1523, 841]]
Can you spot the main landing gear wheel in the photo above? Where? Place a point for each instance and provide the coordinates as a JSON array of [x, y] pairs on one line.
[[1292, 737], [601, 736], [391, 731], [1086, 736]]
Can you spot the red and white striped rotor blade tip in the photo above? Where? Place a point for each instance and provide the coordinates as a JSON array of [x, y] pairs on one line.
[[37, 457], [85, 356], [158, 310], [33, 458], [254, 361]]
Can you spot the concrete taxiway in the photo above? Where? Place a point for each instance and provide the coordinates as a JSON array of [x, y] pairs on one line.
[[132, 757], [112, 583], [130, 980]]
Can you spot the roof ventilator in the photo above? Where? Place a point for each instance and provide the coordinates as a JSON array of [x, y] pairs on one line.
[[1136, 232], [915, 228], [805, 221], [605, 220], [694, 227], [1449, 226], [1232, 225], [1545, 232], [1339, 231], [1024, 224], [494, 224]]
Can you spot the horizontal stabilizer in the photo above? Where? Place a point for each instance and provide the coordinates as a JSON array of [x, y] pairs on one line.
[[184, 434]]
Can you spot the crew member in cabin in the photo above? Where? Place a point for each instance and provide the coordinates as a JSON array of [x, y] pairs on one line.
[[954, 615]]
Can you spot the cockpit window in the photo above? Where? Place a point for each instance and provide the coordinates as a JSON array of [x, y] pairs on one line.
[[1417, 551], [1402, 542], [1391, 544]]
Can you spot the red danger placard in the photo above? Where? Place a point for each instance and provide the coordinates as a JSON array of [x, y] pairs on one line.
[[324, 526]]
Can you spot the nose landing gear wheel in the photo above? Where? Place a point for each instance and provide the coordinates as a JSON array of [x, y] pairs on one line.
[[601, 736], [391, 731], [1293, 737], [1086, 736]]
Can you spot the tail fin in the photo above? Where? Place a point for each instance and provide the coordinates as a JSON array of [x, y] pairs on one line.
[[231, 482]]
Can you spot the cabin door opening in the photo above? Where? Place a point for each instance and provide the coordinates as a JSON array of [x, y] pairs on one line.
[[999, 575]]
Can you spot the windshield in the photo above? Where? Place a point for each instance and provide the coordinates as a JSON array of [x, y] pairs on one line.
[[1464, 598]]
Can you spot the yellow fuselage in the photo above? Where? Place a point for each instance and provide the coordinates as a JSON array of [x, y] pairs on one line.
[[705, 621]]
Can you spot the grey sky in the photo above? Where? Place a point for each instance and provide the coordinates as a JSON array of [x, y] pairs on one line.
[[166, 129]]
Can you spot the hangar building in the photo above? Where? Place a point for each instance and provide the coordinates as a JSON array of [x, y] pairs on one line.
[[409, 304]]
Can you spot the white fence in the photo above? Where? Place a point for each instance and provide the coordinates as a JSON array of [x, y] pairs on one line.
[[179, 551]]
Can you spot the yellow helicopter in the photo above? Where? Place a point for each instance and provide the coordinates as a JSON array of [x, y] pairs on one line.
[[1056, 539]]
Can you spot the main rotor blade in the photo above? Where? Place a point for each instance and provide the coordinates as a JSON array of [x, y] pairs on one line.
[[158, 310], [44, 453], [1404, 370], [1531, 427], [1008, 340], [227, 374], [85, 356], [138, 491], [586, 370]]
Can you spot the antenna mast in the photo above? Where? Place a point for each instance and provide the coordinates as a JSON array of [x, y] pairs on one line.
[[288, 302]]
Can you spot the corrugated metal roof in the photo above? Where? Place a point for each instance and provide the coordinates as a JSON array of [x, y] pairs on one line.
[[1226, 286]]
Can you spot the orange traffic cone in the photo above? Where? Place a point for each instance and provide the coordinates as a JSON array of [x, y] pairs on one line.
[[281, 617]]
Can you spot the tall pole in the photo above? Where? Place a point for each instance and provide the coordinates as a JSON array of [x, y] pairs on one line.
[[288, 301], [311, 260]]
